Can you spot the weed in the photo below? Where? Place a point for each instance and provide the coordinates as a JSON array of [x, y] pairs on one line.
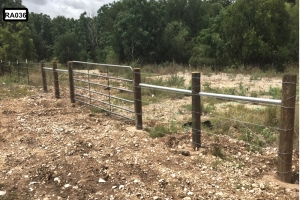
[[275, 92], [215, 164], [158, 131], [269, 136], [253, 94], [255, 76], [272, 116], [175, 81]]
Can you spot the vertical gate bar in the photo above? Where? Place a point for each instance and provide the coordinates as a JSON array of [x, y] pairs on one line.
[[89, 82], [107, 72], [285, 150], [196, 111], [137, 98], [55, 76], [71, 82], [44, 76]]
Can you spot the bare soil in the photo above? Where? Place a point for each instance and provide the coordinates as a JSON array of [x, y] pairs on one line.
[[52, 149]]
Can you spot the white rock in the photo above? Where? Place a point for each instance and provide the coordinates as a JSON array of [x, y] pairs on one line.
[[190, 193], [155, 197], [101, 180], [114, 187], [187, 198], [121, 187], [262, 186], [57, 179], [2, 193], [67, 185]]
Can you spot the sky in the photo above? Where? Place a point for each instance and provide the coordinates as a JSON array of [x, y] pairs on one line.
[[67, 8]]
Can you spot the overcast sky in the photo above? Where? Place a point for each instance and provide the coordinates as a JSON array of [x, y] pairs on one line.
[[67, 8]]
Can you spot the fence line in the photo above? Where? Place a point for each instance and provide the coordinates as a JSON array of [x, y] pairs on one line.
[[287, 103]]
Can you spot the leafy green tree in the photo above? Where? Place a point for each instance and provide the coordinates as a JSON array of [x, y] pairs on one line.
[[66, 48], [25, 42], [293, 45], [255, 32], [138, 30], [60, 26], [178, 43], [40, 26]]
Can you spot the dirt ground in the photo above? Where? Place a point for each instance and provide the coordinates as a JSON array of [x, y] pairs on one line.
[[52, 149]]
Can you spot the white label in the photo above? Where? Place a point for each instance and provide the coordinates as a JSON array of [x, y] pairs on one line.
[[15, 14]]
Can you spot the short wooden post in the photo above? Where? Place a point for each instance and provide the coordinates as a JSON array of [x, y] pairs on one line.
[[55, 76], [71, 82], [196, 111], [137, 98], [44, 76], [285, 150]]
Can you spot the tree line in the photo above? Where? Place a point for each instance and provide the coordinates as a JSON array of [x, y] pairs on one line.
[[218, 33]]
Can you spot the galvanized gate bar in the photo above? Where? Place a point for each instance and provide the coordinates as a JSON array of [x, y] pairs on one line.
[[125, 90], [241, 98], [104, 65], [100, 93], [104, 109], [110, 77], [100, 101]]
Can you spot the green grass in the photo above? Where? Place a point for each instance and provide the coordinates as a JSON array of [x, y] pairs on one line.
[[161, 130]]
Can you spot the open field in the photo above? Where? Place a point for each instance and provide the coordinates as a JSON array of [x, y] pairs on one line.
[[52, 149]]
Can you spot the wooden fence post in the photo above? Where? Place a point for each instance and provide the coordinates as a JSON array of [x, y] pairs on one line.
[[44, 76], [196, 110], [285, 150], [71, 82], [55, 76], [137, 98]]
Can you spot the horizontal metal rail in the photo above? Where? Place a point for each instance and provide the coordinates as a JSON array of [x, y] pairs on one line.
[[100, 93], [241, 98], [100, 101], [48, 68], [233, 97], [62, 70], [165, 88], [58, 70], [104, 65], [109, 77], [104, 109], [93, 83]]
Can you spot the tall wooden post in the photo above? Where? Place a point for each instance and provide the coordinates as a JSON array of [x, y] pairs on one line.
[[55, 76], [285, 150], [137, 98], [71, 82], [44, 76], [196, 110]]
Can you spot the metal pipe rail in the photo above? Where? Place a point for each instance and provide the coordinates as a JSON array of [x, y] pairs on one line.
[[100, 101], [233, 97], [104, 65], [100, 93], [58, 70], [109, 77], [125, 90], [104, 109]]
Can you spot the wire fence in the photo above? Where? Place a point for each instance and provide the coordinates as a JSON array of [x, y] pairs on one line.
[[113, 89]]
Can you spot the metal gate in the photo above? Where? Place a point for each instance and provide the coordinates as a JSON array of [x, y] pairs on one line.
[[106, 88]]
